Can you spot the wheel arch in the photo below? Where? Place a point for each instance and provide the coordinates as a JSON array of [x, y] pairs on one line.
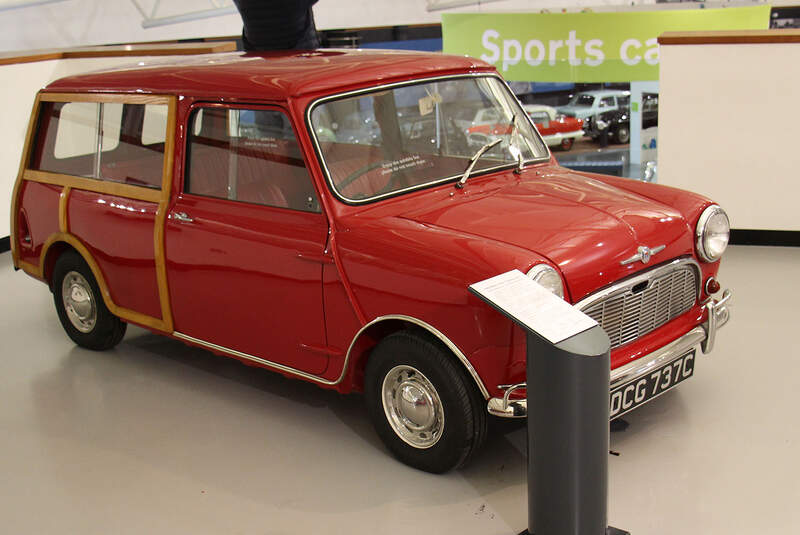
[[60, 244], [373, 332]]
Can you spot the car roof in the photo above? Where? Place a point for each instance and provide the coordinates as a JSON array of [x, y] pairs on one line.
[[538, 107], [275, 75], [605, 92]]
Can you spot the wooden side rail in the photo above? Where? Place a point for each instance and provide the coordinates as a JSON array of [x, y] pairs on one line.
[[730, 37], [151, 49]]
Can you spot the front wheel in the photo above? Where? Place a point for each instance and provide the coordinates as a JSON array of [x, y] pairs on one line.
[[80, 307], [567, 143], [422, 403], [623, 135]]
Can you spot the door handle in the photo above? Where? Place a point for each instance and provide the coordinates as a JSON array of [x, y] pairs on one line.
[[182, 217]]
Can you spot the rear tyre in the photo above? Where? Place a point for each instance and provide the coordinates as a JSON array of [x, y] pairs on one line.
[[80, 306], [423, 404]]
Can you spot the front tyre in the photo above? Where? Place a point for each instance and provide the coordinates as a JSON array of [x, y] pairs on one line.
[[623, 135], [80, 306], [422, 404]]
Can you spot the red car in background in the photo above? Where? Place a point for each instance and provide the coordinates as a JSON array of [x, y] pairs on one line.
[[557, 129], [323, 213]]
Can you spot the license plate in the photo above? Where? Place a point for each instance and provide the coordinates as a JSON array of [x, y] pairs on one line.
[[627, 397]]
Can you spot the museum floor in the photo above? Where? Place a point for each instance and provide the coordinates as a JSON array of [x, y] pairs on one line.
[[155, 437]]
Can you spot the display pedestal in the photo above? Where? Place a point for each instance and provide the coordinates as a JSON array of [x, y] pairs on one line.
[[568, 369], [609, 531]]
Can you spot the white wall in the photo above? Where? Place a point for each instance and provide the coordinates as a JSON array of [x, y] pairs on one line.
[[728, 123], [70, 23]]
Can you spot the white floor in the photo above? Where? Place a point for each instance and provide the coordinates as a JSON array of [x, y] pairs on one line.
[[155, 437]]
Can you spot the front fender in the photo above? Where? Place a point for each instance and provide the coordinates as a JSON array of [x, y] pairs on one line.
[[399, 267]]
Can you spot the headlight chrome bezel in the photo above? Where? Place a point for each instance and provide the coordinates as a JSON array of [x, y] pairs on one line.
[[701, 234], [540, 271]]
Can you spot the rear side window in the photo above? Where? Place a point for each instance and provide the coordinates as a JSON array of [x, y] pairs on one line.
[[248, 155], [115, 141]]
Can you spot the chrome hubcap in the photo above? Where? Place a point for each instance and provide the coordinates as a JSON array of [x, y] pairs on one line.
[[412, 407], [79, 302]]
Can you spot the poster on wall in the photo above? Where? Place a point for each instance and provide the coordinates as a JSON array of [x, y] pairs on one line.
[[583, 47]]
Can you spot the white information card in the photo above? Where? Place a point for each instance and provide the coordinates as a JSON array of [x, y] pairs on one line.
[[533, 306]]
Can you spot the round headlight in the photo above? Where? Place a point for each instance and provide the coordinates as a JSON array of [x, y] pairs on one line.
[[713, 231], [547, 277]]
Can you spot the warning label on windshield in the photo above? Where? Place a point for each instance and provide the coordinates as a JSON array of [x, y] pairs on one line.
[[415, 160]]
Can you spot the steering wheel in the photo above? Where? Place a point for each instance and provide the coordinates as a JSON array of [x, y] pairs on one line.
[[349, 179]]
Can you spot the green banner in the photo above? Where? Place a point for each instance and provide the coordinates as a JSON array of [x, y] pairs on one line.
[[583, 47]]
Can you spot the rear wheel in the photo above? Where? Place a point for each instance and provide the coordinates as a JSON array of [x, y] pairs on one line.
[[422, 403], [80, 306]]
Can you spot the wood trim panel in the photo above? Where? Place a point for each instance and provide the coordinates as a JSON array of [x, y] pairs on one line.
[[151, 49], [63, 218], [96, 185], [26, 151], [123, 313], [124, 98], [69, 182], [731, 37], [159, 237]]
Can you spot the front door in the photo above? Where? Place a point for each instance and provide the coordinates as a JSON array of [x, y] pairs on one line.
[[245, 240]]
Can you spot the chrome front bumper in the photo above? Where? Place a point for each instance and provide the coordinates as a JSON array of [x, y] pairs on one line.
[[703, 335]]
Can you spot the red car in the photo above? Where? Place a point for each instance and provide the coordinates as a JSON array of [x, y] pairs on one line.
[[557, 130], [321, 214]]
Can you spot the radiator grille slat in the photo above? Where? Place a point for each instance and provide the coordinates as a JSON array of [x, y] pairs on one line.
[[627, 316]]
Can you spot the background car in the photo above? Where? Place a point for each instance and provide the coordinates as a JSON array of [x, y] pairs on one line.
[[557, 129], [589, 104], [619, 121]]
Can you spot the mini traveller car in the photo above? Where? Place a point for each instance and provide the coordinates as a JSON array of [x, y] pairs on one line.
[[230, 202]]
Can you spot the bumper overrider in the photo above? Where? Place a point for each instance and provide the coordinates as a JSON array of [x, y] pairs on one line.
[[703, 335]]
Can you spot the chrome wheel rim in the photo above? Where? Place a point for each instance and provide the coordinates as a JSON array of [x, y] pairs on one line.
[[79, 302], [413, 407]]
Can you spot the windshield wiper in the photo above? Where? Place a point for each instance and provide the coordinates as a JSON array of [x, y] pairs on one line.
[[474, 160], [516, 152]]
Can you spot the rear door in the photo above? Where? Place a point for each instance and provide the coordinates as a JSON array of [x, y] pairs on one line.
[[245, 240]]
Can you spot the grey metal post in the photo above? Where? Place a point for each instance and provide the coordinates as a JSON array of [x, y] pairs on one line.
[[568, 371], [568, 434]]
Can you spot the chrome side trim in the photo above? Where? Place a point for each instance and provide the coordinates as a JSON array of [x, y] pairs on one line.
[[268, 363], [321, 380], [639, 277], [434, 331], [703, 335]]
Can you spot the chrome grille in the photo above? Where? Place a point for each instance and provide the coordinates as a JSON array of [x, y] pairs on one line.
[[645, 303]]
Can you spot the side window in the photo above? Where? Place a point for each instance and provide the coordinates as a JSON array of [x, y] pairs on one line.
[[606, 102], [248, 155], [102, 141]]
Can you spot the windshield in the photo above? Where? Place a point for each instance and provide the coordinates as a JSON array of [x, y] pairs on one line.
[[407, 137], [583, 100]]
